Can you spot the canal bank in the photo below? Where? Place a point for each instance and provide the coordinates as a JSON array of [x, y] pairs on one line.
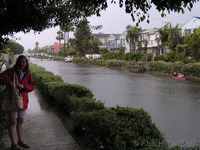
[[43, 130], [191, 70], [173, 104]]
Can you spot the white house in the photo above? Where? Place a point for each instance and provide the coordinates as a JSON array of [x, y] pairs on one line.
[[103, 38], [190, 26], [123, 43], [150, 40], [113, 42]]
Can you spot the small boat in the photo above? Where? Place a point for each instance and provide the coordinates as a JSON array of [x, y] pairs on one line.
[[178, 76]]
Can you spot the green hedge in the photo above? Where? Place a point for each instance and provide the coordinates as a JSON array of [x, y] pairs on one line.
[[102, 127], [192, 68], [53, 87], [108, 63], [122, 56], [167, 67], [159, 66], [117, 128]]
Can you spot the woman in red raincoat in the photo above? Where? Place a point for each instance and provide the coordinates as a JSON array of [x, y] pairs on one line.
[[26, 85]]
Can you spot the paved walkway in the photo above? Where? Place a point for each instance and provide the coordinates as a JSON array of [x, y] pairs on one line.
[[43, 130]]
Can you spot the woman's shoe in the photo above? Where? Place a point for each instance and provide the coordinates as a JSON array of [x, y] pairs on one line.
[[15, 147], [22, 144]]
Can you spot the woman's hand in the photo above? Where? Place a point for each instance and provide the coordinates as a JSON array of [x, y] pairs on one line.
[[11, 83], [20, 86]]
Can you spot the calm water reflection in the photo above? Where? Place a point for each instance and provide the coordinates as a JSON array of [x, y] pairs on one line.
[[174, 105]]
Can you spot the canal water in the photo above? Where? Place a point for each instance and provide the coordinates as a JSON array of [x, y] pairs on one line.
[[174, 105]]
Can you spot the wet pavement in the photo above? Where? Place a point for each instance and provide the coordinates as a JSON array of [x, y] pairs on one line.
[[42, 129]]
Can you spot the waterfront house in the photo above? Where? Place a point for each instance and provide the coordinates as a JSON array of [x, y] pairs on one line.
[[190, 26], [56, 47], [113, 42], [103, 38], [123, 42], [149, 42]]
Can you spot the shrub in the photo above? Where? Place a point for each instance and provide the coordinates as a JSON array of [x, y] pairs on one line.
[[160, 58], [147, 57], [84, 104], [159, 66], [104, 50], [170, 56], [192, 68], [117, 128], [176, 66], [180, 57]]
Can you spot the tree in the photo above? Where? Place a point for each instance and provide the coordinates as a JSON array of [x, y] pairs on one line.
[[83, 37], [174, 37], [60, 37], [164, 33], [66, 29], [24, 15], [132, 36], [170, 36], [14, 47], [36, 45], [193, 44]]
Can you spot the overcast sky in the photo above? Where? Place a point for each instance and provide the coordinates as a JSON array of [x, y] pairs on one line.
[[113, 20]]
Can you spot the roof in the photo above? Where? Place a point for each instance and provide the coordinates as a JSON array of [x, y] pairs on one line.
[[191, 19], [150, 31], [101, 35], [116, 35], [197, 17]]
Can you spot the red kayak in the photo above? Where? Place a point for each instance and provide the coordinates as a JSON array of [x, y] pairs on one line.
[[178, 76]]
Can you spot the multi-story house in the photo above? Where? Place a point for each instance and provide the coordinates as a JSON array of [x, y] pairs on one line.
[[190, 26], [56, 47], [103, 38], [148, 41], [123, 43], [151, 41], [113, 42]]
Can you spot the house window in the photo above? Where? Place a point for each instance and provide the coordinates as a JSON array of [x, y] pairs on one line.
[[141, 38], [151, 42], [187, 31]]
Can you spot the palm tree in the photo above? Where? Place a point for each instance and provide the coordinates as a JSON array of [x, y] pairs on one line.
[[66, 29], [36, 45], [60, 37], [132, 36]]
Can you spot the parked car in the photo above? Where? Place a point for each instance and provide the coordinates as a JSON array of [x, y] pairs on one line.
[[68, 59]]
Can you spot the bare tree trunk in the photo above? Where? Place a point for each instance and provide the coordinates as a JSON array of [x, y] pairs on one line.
[[59, 45]]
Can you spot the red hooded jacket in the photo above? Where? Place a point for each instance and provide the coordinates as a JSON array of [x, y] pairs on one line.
[[27, 81]]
